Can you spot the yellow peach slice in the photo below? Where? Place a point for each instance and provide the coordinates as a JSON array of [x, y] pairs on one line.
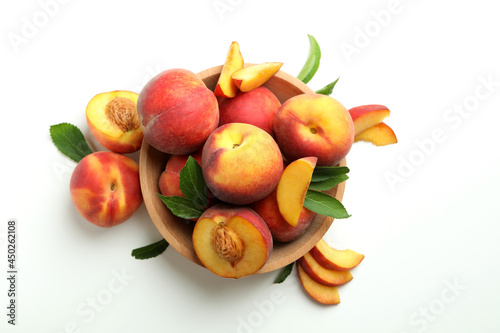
[[322, 275], [319, 292], [113, 121], [338, 260], [380, 135], [366, 116], [226, 87], [292, 188], [254, 76]]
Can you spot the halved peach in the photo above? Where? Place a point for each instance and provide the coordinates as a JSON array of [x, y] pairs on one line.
[[251, 77], [232, 241], [366, 116], [380, 135], [292, 188], [338, 260], [322, 275], [226, 87], [319, 292], [113, 121]]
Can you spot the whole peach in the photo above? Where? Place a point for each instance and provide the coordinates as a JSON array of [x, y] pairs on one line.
[[170, 177], [256, 107], [241, 163], [177, 112], [314, 125], [105, 188]]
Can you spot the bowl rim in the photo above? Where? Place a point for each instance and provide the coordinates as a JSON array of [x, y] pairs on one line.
[[156, 209]]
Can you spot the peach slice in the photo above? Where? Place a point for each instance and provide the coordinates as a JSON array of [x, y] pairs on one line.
[[319, 292], [380, 135], [337, 260], [254, 76], [113, 121], [226, 87], [281, 230], [232, 241], [366, 116], [322, 275], [292, 188]]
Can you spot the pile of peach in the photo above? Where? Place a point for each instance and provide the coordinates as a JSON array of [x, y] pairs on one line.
[[257, 158]]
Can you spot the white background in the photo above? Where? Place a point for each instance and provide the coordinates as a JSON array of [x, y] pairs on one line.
[[430, 236]]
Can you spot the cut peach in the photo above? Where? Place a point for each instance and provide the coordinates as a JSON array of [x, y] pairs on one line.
[[254, 76], [319, 292], [338, 260], [292, 188], [113, 121], [380, 135], [366, 116], [322, 275], [232, 241], [226, 87]]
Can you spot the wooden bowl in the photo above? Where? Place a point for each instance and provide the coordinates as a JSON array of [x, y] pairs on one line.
[[177, 232]]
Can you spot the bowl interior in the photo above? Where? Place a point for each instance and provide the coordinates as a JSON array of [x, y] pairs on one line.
[[178, 232]]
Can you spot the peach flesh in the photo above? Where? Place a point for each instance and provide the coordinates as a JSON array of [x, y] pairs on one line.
[[232, 241], [113, 121]]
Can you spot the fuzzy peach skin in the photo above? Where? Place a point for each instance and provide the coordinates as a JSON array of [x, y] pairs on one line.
[[314, 125], [177, 111], [241, 163], [105, 188], [232, 241], [113, 121], [281, 230], [256, 107]]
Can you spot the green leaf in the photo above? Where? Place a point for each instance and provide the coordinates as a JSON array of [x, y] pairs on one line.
[[70, 141], [325, 204], [182, 207], [329, 183], [321, 173], [312, 63], [328, 89], [150, 251], [192, 184], [285, 271]]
